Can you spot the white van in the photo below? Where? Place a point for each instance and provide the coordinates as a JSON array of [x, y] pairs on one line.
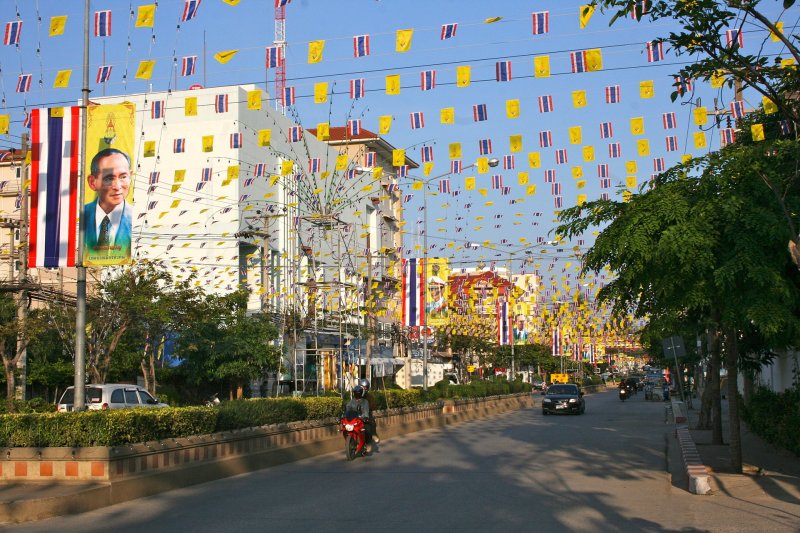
[[110, 396]]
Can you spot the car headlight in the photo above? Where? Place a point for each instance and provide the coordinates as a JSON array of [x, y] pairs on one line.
[[546, 400], [573, 400]]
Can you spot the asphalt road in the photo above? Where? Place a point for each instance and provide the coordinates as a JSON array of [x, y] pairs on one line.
[[603, 471]]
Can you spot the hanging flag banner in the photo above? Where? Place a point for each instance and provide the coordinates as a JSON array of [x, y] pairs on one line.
[[413, 291], [503, 324], [108, 191], [437, 292]]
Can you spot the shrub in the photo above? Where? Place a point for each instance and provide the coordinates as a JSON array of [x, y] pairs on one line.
[[775, 417]]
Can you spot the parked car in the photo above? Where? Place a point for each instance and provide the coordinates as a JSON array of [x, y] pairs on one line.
[[110, 396], [563, 398]]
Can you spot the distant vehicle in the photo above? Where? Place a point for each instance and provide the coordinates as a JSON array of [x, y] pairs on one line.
[[563, 398], [539, 384], [109, 396]]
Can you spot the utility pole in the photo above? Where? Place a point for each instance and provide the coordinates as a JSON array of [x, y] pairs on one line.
[[22, 304]]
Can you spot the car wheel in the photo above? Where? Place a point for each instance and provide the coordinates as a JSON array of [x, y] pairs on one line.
[[583, 409], [544, 413]]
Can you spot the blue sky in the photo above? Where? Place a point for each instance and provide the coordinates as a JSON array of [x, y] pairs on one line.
[[248, 27]]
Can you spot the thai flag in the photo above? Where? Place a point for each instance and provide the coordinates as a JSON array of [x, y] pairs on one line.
[[737, 109], [274, 56], [102, 23], [236, 140], [734, 37], [24, 83], [427, 80], [417, 120], [152, 205], [205, 174], [54, 188], [545, 104], [672, 143], [413, 292], [614, 150], [605, 195], [179, 146], [154, 176], [485, 146], [606, 130], [602, 170], [479, 113], [683, 85], [288, 96], [605, 183], [508, 162], [561, 156], [503, 324], [786, 127], [391, 187], [727, 136], [448, 31], [545, 139], [640, 8], [402, 171], [612, 94], [426, 154], [504, 191], [190, 8], [249, 181], [578, 60], [104, 73], [555, 189], [314, 164], [221, 103], [13, 31], [541, 22], [26, 120], [444, 186], [357, 88], [243, 198], [502, 71], [188, 65], [497, 181], [655, 51], [360, 45], [659, 165], [157, 109], [260, 170], [669, 120], [282, 3], [354, 127], [549, 176], [295, 134], [558, 202], [456, 166], [370, 158], [200, 186]]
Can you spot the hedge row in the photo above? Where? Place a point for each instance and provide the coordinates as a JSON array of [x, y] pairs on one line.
[[775, 417]]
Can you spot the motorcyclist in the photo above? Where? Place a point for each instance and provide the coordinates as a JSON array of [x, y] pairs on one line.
[[360, 404], [364, 382]]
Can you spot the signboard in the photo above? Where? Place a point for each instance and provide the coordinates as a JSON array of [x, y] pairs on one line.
[[673, 347], [470, 368], [559, 378]]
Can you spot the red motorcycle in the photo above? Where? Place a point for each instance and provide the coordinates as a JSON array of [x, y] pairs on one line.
[[355, 436]]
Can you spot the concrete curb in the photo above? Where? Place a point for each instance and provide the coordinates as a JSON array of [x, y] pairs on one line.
[[696, 471]]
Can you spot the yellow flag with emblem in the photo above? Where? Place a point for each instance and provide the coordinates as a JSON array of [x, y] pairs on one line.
[[286, 167], [541, 66], [577, 172], [637, 125], [146, 16], [585, 14], [700, 116], [588, 153], [62, 79], [482, 164], [315, 49], [225, 56], [447, 115], [384, 124], [321, 92], [575, 135], [579, 98], [323, 131], [515, 143], [757, 130], [769, 105], [594, 60], [700, 139], [522, 178], [398, 157], [469, 183], [4, 124], [190, 106], [233, 172], [463, 75], [631, 167], [341, 162], [512, 108], [454, 150], [534, 159], [254, 100], [57, 25], [630, 182], [403, 40], [145, 70], [646, 89], [149, 148], [643, 147], [264, 137], [393, 84]]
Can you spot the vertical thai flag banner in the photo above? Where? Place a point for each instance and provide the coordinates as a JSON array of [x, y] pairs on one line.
[[55, 140], [556, 341], [503, 324], [413, 292]]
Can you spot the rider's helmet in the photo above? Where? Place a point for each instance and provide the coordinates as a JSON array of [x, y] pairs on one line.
[[358, 391], [364, 382]]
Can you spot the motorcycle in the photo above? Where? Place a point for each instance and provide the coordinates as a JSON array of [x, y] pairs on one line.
[[212, 400], [624, 393], [355, 435]]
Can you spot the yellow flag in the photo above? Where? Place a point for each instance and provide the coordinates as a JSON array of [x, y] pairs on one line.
[[62, 79], [769, 105], [264, 137], [469, 183], [145, 70], [786, 63], [586, 13], [149, 148], [57, 25], [4, 122], [233, 172], [393, 84], [577, 172], [454, 150], [377, 172], [403, 40], [685, 158], [323, 131], [580, 184], [630, 182], [286, 167], [637, 125], [179, 176], [341, 162], [463, 75], [225, 56], [717, 79], [581, 199], [208, 143], [512, 108], [522, 178], [579, 98], [174, 204], [427, 168], [700, 116], [492, 20], [594, 60], [417, 186], [643, 147], [773, 36], [757, 130], [384, 124], [190, 106], [700, 139], [398, 157], [254, 99], [447, 115], [315, 51], [646, 89], [145, 16], [534, 159], [627, 196], [321, 92], [482, 164], [515, 143], [631, 167], [588, 153], [575, 135], [530, 190], [541, 66], [482, 191]]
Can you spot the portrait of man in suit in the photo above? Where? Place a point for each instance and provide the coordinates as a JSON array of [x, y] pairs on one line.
[[108, 217]]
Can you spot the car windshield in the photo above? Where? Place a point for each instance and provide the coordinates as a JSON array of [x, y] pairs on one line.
[[562, 389]]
